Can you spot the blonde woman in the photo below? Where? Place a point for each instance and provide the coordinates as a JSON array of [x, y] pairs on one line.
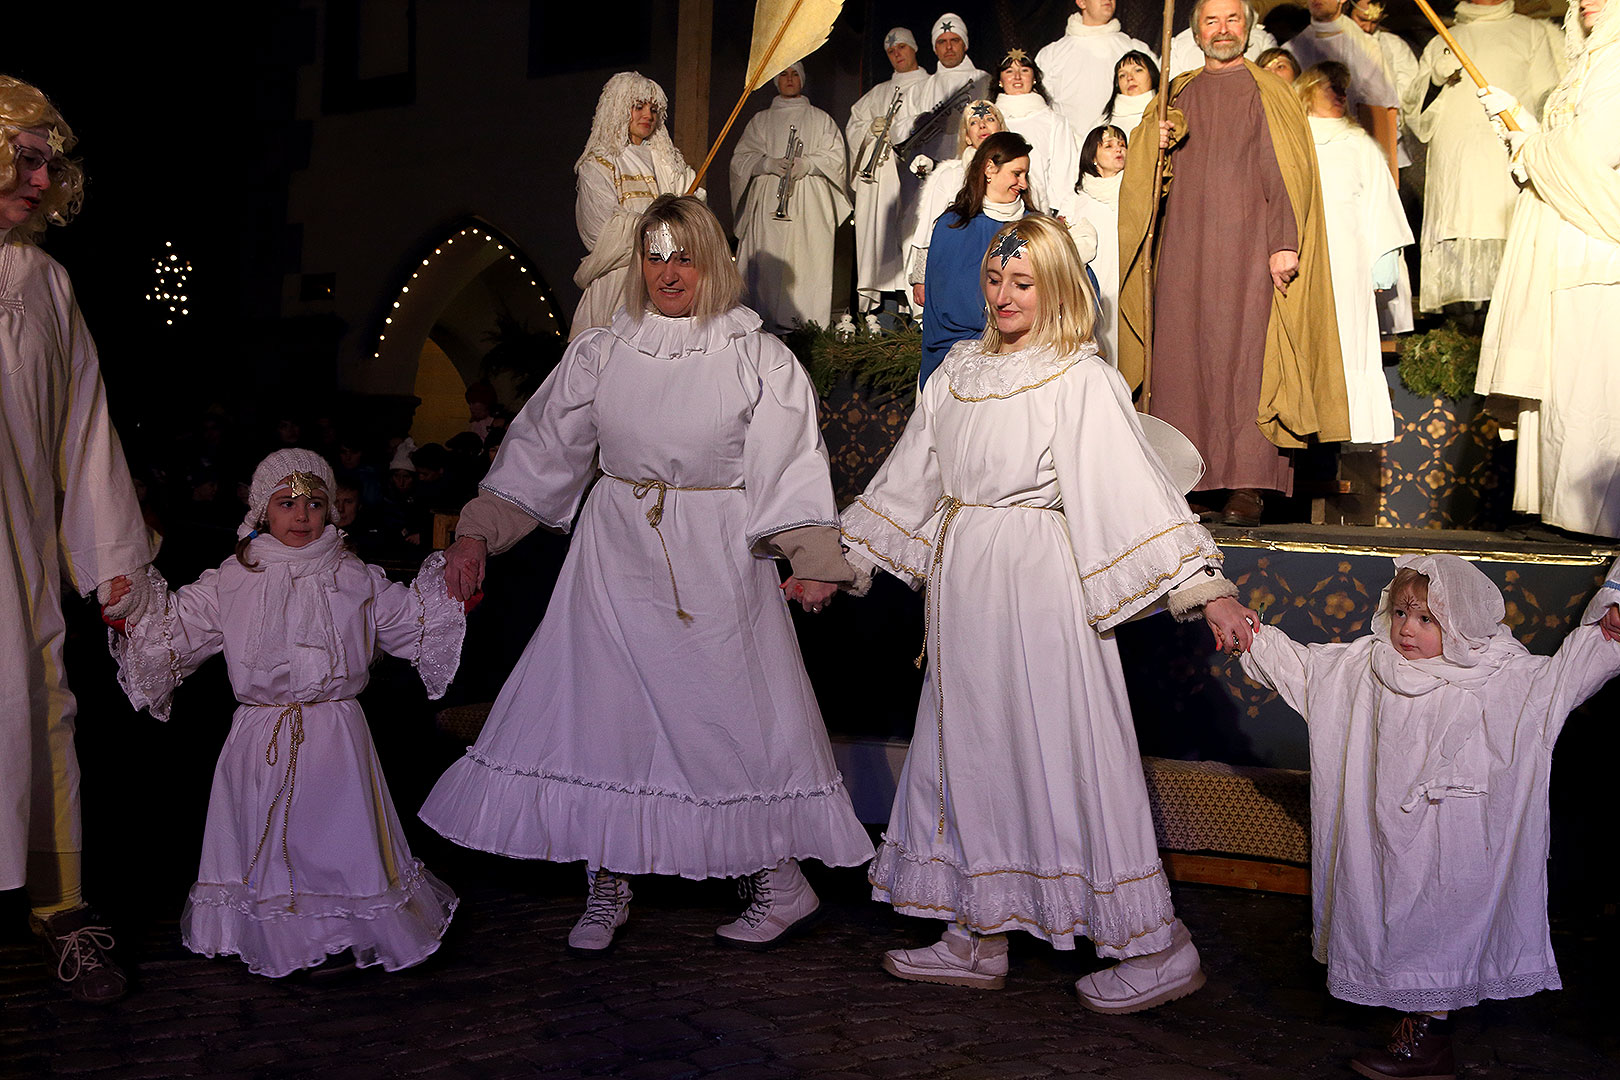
[[1025, 497], [660, 720]]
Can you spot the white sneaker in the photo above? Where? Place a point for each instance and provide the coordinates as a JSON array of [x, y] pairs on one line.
[[606, 908], [1141, 982], [780, 903], [957, 959]]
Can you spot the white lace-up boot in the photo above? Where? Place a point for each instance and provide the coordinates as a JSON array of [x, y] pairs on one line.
[[1141, 982], [780, 903], [960, 958], [607, 906]]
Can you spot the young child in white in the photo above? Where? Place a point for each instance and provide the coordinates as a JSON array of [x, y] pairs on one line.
[[1431, 746], [303, 856]]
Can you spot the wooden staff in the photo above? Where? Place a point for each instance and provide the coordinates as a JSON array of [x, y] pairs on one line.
[[1462, 58], [748, 88], [1146, 398]]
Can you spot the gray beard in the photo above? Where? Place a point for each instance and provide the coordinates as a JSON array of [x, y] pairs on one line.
[[1222, 51]]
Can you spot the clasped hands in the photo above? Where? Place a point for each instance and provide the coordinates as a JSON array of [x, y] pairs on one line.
[[1232, 624], [811, 595]]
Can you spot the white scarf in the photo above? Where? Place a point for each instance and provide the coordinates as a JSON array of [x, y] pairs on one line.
[[1105, 189], [1010, 211], [1076, 27], [1018, 106], [292, 620]]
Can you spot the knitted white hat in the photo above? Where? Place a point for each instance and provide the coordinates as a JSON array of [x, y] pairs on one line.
[[276, 472], [795, 66], [402, 457], [898, 36], [949, 23]]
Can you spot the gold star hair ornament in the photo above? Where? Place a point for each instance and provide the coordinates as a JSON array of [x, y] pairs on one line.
[[1370, 10], [1012, 246], [56, 141], [978, 110], [1018, 56], [306, 484], [661, 241]]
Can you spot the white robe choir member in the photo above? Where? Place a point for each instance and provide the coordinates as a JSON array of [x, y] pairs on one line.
[[1468, 193], [1055, 163], [1185, 55], [1341, 39], [1429, 782], [1550, 336], [1025, 494], [618, 178], [628, 736], [787, 266], [937, 193], [1078, 69], [303, 854], [1095, 209], [71, 519], [1366, 229], [880, 243], [962, 82]]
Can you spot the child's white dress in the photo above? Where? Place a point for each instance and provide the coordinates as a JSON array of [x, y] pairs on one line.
[[303, 855], [1429, 813]]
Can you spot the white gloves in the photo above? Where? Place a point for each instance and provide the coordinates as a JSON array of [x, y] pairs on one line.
[[1499, 103], [801, 168], [880, 126], [776, 166], [921, 165], [134, 603]]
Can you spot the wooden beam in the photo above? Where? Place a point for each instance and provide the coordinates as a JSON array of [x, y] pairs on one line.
[[1238, 873], [689, 101]]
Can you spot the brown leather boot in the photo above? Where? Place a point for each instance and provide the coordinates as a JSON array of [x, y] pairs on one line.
[[1243, 508], [1419, 1049]]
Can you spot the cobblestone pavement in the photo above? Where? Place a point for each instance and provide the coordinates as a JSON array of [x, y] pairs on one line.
[[503, 999]]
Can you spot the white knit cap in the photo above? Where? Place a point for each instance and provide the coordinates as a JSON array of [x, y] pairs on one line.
[[898, 36], [402, 457], [796, 66], [273, 474], [950, 23]]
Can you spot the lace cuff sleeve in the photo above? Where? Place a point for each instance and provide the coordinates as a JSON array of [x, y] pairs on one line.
[[877, 538], [443, 622], [149, 668]]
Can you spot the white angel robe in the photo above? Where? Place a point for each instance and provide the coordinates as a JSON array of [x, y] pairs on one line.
[[880, 236], [1185, 55], [1429, 812], [1371, 83], [1468, 193], [71, 518], [1078, 69], [925, 96], [1054, 164], [1097, 205], [303, 855], [1128, 112], [612, 193], [1550, 335], [628, 736], [787, 266], [1365, 224], [938, 192], [1025, 495]]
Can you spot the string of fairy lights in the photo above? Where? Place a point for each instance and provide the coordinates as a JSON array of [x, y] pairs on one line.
[[169, 291], [476, 234]]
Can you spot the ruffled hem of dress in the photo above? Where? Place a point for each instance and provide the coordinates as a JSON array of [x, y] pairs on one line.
[[395, 930], [905, 553], [525, 815], [444, 627], [1444, 998], [667, 338], [1130, 916], [1133, 578]]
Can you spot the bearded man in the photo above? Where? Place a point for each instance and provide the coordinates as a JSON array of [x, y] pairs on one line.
[[1246, 349]]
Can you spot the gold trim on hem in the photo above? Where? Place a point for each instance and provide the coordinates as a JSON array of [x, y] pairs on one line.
[[1598, 556], [875, 512]]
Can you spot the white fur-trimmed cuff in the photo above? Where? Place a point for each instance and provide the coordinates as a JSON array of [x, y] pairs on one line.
[[1186, 600]]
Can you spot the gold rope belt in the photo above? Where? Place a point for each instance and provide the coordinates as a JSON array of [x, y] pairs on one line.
[[655, 514], [293, 713], [931, 615]]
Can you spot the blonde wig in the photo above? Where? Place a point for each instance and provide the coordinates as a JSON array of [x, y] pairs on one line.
[[962, 128], [1068, 308], [1329, 74], [23, 108], [697, 233], [610, 130]]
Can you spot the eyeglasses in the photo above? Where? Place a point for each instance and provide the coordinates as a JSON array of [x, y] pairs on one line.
[[28, 160]]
